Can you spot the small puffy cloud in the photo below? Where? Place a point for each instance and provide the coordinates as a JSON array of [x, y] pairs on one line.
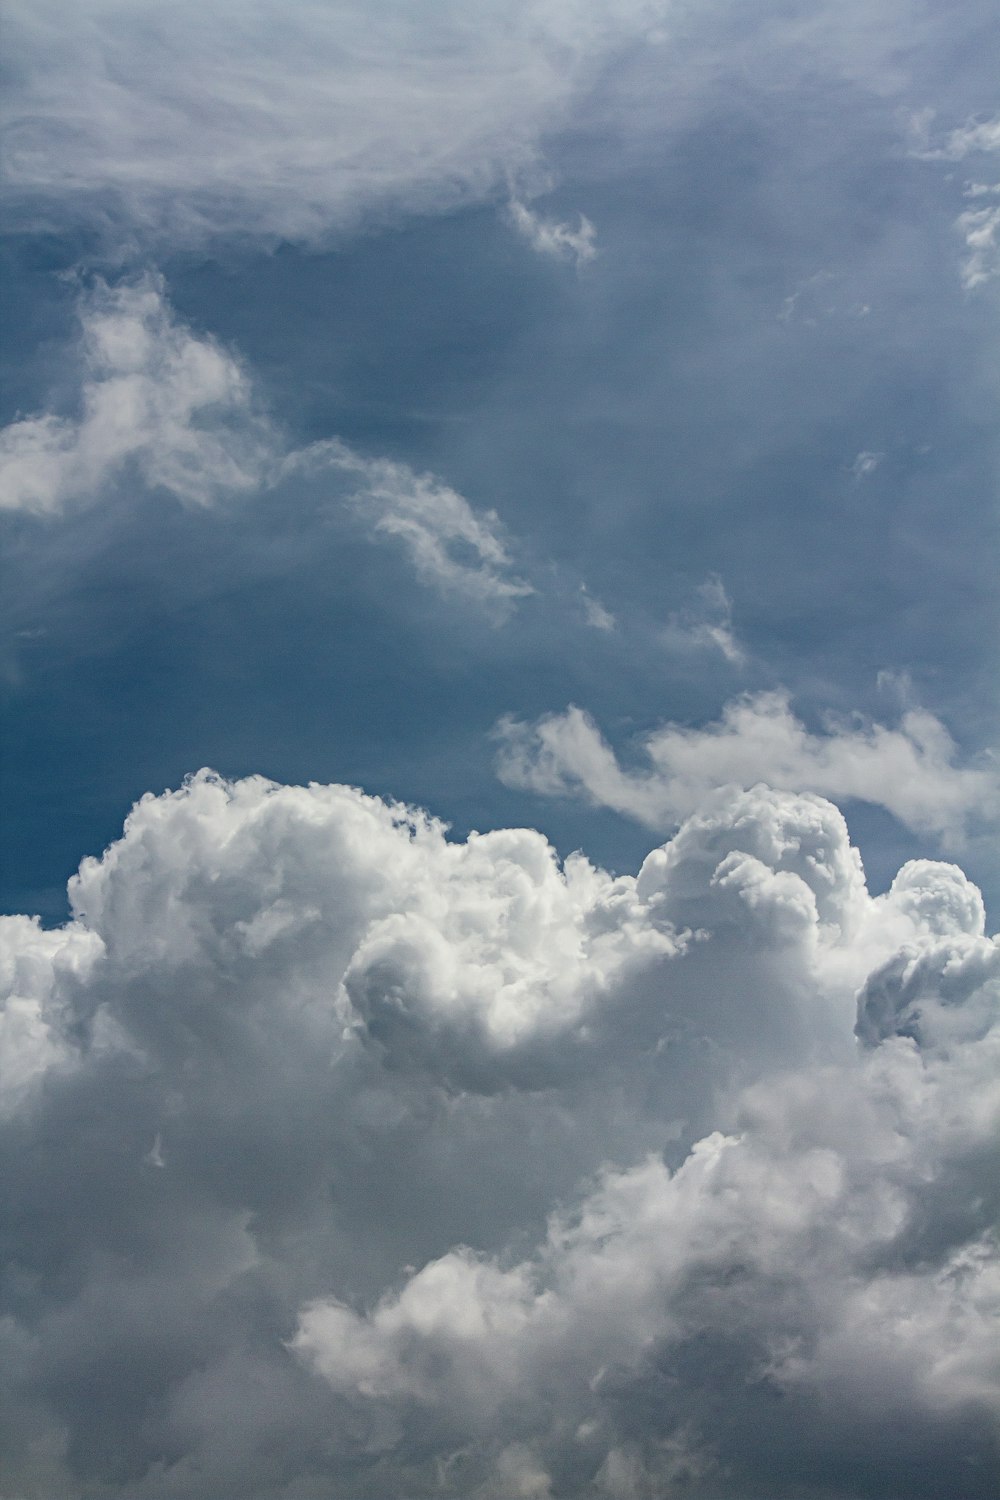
[[344, 1157], [825, 294], [979, 226], [156, 400], [706, 624], [810, 300], [552, 237], [910, 770]]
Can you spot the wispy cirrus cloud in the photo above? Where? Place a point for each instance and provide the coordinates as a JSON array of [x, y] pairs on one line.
[[865, 463], [289, 120], [597, 616], [974, 137], [980, 229], [979, 226], [452, 546]]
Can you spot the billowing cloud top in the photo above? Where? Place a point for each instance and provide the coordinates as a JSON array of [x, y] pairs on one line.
[[345, 1157]]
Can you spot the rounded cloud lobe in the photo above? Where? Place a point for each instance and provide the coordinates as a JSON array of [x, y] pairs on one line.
[[343, 1157]]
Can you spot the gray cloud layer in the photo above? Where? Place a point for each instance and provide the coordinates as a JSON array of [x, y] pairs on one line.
[[343, 1158], [291, 120]]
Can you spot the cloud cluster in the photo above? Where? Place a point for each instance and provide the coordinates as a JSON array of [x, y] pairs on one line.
[[290, 119], [343, 1157], [910, 770], [979, 226]]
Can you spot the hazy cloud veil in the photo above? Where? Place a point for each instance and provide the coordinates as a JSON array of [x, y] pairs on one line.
[[357, 1151]]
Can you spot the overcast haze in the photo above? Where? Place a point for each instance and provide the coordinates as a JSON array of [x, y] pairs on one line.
[[500, 644]]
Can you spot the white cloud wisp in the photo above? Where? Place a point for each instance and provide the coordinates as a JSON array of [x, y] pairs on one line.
[[910, 770], [980, 228], [551, 237], [706, 624], [451, 546]]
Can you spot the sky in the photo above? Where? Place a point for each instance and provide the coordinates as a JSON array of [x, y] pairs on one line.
[[500, 637]]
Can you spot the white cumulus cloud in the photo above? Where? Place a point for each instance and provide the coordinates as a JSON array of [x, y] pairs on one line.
[[910, 770], [477, 1174], [980, 229], [975, 137]]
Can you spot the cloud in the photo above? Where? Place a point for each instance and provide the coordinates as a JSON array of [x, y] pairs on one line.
[[975, 137], [168, 409], [290, 120], [551, 237], [910, 771], [358, 1159], [980, 228], [706, 624], [653, 1264], [594, 612], [451, 546], [866, 463], [157, 402], [34, 964]]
